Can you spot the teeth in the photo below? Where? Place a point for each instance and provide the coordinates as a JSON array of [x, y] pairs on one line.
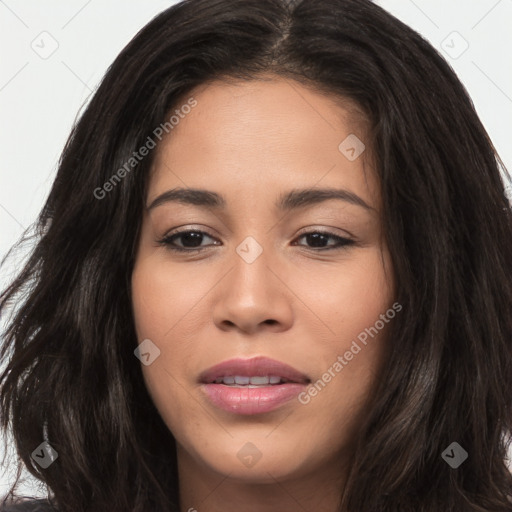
[[256, 381]]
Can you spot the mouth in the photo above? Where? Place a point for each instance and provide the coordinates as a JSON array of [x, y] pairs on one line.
[[251, 386], [253, 381]]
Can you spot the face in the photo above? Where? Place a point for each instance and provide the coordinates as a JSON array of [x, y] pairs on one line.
[[273, 282]]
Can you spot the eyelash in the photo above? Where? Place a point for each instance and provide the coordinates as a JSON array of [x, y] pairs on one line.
[[167, 241]]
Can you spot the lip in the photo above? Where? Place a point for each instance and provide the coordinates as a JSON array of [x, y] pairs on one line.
[[256, 366], [248, 401]]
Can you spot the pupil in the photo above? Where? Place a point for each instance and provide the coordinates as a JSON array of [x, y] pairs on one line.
[[316, 239], [193, 237]]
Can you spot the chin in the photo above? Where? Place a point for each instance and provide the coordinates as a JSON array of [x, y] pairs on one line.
[[254, 459]]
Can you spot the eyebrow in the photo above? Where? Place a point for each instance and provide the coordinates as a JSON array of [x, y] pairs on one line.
[[294, 199]]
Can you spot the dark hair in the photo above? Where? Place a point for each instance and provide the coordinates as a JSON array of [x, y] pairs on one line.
[[71, 376]]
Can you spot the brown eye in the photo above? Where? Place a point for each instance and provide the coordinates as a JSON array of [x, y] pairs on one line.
[[190, 240], [319, 239]]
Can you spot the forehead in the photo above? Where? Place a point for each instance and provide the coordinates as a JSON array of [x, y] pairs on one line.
[[266, 134]]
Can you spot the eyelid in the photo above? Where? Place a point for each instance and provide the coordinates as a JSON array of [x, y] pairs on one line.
[[185, 229], [164, 240], [342, 241], [328, 231]]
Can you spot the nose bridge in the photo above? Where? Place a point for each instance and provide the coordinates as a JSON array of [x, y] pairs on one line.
[[249, 250], [252, 295], [251, 266]]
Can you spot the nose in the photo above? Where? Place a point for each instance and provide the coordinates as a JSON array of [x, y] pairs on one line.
[[253, 296]]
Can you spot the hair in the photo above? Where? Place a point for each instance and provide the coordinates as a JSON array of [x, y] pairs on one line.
[[71, 377]]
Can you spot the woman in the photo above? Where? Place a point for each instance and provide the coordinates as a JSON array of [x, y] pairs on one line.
[[273, 274]]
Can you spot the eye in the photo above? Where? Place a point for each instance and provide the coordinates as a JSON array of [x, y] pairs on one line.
[[319, 239], [191, 240]]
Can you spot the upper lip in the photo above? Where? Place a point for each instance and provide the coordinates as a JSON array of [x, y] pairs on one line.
[[254, 367]]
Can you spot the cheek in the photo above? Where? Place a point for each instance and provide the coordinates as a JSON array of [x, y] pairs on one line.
[[348, 299], [166, 311], [354, 352], [165, 299], [153, 292], [364, 294]]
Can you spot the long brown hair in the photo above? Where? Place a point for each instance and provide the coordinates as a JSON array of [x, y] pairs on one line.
[[71, 377]]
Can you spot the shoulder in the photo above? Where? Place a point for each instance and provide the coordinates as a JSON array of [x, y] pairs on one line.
[[37, 505]]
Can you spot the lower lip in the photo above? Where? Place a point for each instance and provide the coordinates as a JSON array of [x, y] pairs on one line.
[[251, 400]]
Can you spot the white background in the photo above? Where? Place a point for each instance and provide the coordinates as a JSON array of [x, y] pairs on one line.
[[41, 97]]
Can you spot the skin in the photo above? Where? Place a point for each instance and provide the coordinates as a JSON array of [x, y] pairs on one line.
[[251, 141]]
